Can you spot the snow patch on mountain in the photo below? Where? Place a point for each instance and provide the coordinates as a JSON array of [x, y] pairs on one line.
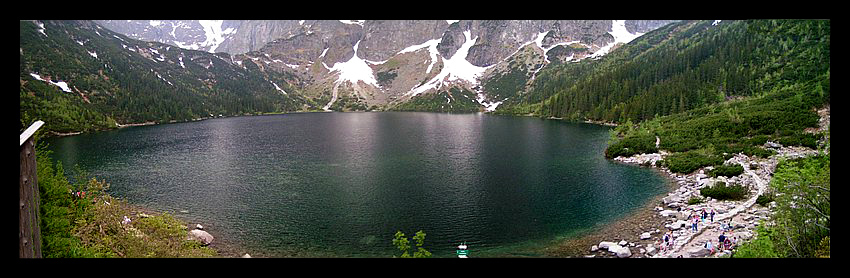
[[41, 28], [454, 69], [357, 22], [214, 34], [61, 84], [489, 106], [355, 69], [278, 88], [621, 35]]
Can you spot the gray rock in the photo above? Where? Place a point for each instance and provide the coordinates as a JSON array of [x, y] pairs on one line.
[[675, 205], [594, 248], [698, 252], [769, 144], [668, 213], [645, 235], [200, 235], [678, 225], [674, 198], [620, 251], [606, 244]]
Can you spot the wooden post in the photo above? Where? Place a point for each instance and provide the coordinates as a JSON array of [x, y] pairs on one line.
[[29, 231]]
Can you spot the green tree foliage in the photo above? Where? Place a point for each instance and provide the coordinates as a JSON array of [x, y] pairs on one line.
[[403, 244], [685, 65], [452, 100], [763, 246], [132, 81], [802, 217]]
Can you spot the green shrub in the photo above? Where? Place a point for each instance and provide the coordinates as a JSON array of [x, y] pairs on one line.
[[690, 161], [809, 140], [758, 151], [760, 247], [632, 145], [695, 200], [726, 170], [764, 199], [721, 191]]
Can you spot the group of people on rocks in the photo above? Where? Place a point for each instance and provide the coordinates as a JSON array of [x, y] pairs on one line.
[[705, 216], [724, 243]]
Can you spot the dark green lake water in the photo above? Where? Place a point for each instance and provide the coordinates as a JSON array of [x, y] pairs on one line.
[[341, 184]]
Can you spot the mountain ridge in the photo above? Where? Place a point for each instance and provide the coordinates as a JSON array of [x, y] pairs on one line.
[[317, 65], [311, 49]]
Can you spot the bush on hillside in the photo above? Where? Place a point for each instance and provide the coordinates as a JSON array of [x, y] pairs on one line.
[[721, 191], [726, 170], [632, 145], [689, 161]]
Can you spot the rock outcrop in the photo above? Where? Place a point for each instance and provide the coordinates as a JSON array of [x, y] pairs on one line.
[[204, 237]]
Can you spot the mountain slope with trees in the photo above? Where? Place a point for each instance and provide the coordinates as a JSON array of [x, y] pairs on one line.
[[112, 79]]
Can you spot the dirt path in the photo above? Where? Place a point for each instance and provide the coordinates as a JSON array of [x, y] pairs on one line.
[[683, 245]]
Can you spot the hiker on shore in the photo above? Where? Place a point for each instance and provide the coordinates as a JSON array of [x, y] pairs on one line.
[[721, 239], [712, 215], [704, 216], [708, 246], [694, 226]]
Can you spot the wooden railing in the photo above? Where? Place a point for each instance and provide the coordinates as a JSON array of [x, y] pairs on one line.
[[29, 232]]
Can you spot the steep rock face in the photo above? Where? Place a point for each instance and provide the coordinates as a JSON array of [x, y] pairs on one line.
[[452, 39], [252, 35], [643, 26], [384, 38], [397, 60]]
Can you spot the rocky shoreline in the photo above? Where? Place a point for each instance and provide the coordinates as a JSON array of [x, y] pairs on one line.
[[639, 234]]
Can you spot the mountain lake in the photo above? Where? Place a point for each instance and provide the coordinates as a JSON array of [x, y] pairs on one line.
[[341, 184]]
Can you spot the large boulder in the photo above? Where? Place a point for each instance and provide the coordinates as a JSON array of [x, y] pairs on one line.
[[678, 225], [669, 213], [698, 252], [673, 198], [606, 244], [620, 251], [200, 235], [650, 251]]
